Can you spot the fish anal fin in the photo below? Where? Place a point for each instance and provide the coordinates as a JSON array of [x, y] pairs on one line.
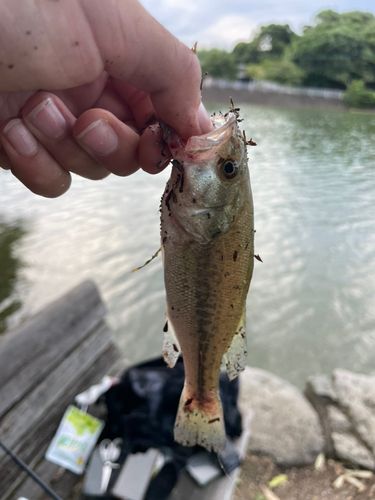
[[171, 347], [236, 355], [195, 424]]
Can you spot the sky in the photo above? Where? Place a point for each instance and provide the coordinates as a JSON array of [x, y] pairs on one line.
[[223, 23]]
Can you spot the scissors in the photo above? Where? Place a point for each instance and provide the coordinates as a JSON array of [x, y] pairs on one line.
[[109, 452]]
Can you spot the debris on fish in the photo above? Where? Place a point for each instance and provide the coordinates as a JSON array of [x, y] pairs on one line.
[[207, 239], [147, 261]]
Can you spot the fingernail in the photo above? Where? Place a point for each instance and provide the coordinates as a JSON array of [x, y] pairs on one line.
[[204, 120], [47, 118], [100, 137], [20, 138]]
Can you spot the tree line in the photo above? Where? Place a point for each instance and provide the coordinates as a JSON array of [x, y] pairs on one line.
[[336, 51]]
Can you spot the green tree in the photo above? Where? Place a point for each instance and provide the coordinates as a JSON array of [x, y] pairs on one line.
[[255, 72], [281, 71], [246, 53], [338, 49], [270, 43], [218, 63], [274, 39], [357, 96]]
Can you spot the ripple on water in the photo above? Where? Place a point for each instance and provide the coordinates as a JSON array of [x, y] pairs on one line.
[[311, 303]]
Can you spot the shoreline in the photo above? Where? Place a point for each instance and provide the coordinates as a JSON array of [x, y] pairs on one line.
[[276, 100]]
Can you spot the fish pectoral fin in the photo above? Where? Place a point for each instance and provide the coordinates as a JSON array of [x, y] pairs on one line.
[[171, 347], [236, 355]]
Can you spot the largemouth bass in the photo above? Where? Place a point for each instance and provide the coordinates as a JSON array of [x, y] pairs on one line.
[[207, 239]]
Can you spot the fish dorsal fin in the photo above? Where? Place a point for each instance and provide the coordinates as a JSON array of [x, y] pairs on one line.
[[235, 357], [171, 347]]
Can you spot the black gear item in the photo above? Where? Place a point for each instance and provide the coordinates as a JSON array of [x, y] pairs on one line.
[[142, 409]]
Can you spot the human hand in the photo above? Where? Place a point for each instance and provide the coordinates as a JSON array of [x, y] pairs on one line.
[[106, 69]]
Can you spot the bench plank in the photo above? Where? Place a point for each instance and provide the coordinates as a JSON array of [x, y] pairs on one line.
[[26, 428], [30, 352], [62, 484]]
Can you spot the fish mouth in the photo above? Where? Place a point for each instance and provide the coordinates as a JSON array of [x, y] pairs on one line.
[[224, 129]]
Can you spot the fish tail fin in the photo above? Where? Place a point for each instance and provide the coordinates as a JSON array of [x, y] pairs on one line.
[[198, 423]]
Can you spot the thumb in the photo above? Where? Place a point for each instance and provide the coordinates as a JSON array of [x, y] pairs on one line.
[[62, 45], [140, 51]]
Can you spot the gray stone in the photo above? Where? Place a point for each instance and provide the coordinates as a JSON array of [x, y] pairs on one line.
[[284, 426], [356, 396], [321, 385], [349, 448], [345, 405], [321, 394], [338, 421]]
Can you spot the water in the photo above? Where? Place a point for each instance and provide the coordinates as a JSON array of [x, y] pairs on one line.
[[311, 305]]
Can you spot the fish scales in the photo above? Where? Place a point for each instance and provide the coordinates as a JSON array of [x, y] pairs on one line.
[[208, 254], [207, 293]]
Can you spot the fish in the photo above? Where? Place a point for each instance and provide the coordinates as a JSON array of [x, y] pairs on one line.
[[207, 241]]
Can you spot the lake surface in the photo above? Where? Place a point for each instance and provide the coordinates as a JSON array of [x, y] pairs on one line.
[[311, 305]]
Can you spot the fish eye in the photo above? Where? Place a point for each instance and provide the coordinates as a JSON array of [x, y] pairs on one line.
[[229, 169]]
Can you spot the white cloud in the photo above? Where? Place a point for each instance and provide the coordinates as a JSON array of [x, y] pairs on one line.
[[224, 22], [226, 32], [191, 6]]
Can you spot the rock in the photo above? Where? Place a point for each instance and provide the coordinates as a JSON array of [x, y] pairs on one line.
[[356, 396], [284, 425], [321, 394], [350, 449], [321, 386], [346, 407], [338, 421], [347, 446]]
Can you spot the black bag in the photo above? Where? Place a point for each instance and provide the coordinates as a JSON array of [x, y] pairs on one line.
[[142, 411]]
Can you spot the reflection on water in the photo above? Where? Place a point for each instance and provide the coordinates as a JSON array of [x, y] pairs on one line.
[[10, 264], [311, 305]]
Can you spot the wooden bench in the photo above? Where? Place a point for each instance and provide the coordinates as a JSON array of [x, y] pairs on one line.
[[44, 363]]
